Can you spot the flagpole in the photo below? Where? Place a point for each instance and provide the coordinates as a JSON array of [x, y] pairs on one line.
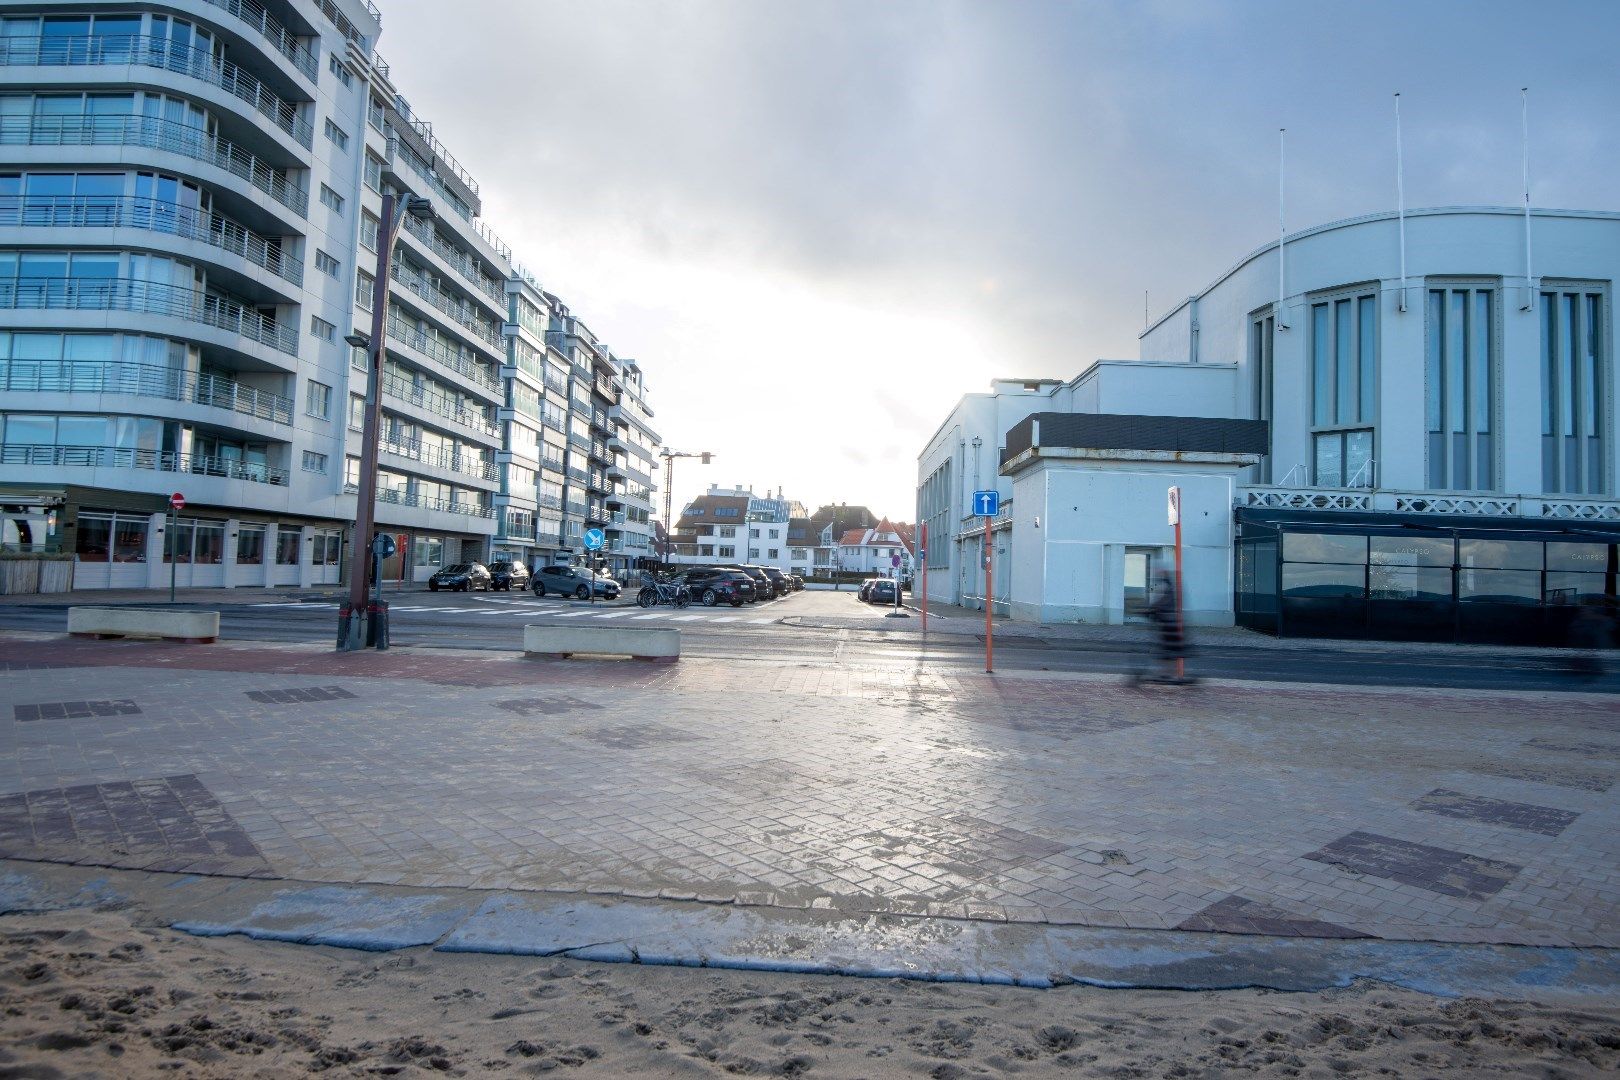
[[1400, 196], [1529, 278], [1282, 235]]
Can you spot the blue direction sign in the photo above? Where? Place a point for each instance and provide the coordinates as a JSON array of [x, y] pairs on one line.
[[594, 539], [382, 546], [986, 503]]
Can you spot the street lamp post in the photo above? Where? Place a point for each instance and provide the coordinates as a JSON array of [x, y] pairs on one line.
[[352, 616], [669, 457]]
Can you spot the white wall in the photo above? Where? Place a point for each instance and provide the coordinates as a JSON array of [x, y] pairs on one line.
[[1071, 568]]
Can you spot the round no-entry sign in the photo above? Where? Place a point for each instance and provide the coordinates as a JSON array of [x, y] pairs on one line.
[[178, 501]]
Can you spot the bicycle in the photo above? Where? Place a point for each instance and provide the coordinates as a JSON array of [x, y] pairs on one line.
[[654, 593]]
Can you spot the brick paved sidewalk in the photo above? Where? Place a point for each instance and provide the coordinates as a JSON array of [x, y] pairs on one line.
[[1450, 816]]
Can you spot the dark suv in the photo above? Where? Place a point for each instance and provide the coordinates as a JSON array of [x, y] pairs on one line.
[[509, 574], [711, 585], [783, 583], [764, 587], [462, 577], [575, 581]]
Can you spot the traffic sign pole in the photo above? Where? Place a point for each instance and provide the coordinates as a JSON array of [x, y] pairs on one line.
[[989, 591], [922, 557]]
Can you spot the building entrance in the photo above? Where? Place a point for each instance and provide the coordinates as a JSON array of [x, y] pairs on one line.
[[1139, 570]]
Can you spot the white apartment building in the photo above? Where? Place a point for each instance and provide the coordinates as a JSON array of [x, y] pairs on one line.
[[735, 525], [191, 194], [1437, 458]]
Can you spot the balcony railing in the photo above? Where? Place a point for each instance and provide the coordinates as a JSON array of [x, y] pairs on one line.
[[253, 13], [462, 314], [465, 462], [114, 457], [396, 387], [427, 502], [132, 294], [556, 382], [157, 52], [144, 380], [459, 260], [110, 212], [154, 133], [400, 330], [1474, 504]]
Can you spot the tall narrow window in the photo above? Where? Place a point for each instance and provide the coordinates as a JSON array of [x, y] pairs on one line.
[[1262, 342], [1460, 397], [1572, 407], [1344, 399]]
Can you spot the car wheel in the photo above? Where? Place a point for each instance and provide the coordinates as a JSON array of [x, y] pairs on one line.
[[539, 589], [710, 598], [433, 586], [582, 593], [736, 603]]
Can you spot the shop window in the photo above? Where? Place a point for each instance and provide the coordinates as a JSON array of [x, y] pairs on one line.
[[1324, 548], [250, 545], [1315, 580], [1572, 413], [1460, 388], [287, 542], [1499, 586], [1500, 554]]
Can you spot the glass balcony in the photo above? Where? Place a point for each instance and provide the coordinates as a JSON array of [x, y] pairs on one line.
[[157, 52], [108, 212], [144, 380], [425, 502], [132, 294], [154, 133], [395, 387], [254, 14], [114, 457]]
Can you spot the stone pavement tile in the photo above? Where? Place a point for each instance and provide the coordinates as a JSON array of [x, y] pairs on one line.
[[1453, 873], [930, 800]]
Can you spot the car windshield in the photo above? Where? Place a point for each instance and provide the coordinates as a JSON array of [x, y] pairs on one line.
[[459, 568]]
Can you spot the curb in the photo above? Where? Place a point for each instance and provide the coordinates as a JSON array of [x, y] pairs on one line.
[[380, 918]]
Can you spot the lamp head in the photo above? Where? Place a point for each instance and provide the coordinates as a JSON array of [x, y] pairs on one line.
[[419, 207], [358, 340]]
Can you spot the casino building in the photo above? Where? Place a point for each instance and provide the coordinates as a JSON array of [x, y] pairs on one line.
[[1361, 453]]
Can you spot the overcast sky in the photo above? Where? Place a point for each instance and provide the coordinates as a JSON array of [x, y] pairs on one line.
[[817, 223]]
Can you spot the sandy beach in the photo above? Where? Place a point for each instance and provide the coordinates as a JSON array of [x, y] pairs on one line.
[[90, 995]]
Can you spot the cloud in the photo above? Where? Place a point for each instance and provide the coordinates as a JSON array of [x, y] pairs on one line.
[[863, 210]]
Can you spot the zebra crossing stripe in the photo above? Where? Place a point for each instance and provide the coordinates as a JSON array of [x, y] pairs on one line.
[[684, 618], [760, 622], [640, 617], [727, 618]]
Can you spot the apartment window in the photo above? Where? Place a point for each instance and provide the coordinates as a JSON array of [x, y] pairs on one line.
[[326, 264], [1344, 367], [775, 533], [753, 553], [774, 553], [1572, 412], [1460, 383], [727, 551], [1262, 344], [728, 532], [343, 74], [374, 167], [364, 286], [753, 534], [337, 136], [706, 550], [317, 399], [331, 199], [322, 329], [357, 412], [314, 462]]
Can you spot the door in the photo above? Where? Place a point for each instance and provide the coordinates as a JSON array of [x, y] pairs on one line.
[[1139, 570]]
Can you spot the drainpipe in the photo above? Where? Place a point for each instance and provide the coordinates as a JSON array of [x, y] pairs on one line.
[[1192, 329]]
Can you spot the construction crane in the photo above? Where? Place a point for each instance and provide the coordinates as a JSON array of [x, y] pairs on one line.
[[669, 457]]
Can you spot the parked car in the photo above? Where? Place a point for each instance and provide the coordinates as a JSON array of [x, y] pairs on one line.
[[575, 581], [798, 582], [866, 589], [881, 592], [462, 577], [778, 579], [764, 588], [711, 585], [509, 574]]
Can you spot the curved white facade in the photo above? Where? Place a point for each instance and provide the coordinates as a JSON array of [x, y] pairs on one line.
[[1459, 261]]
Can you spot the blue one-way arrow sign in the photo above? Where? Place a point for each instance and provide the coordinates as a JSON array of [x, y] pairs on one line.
[[987, 503]]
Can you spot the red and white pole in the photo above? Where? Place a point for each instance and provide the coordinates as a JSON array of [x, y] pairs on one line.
[[1181, 627]]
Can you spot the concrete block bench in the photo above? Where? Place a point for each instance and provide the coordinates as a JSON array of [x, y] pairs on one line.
[[189, 627], [658, 644]]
